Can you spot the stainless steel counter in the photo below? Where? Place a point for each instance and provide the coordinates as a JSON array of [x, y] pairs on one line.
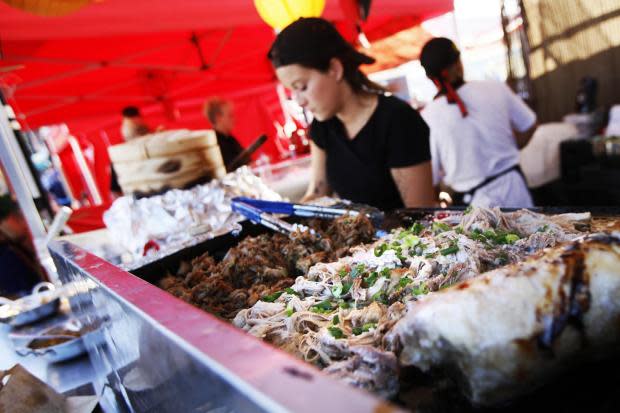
[[162, 354]]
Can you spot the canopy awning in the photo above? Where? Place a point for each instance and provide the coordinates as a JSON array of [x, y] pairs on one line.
[[165, 57]]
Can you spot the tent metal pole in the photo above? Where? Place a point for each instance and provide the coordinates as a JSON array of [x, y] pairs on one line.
[[19, 184], [85, 171]]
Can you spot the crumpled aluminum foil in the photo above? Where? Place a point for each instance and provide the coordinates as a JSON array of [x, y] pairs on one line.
[[179, 218]]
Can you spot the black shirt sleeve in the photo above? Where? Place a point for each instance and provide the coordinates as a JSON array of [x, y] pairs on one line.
[[237, 149], [407, 138]]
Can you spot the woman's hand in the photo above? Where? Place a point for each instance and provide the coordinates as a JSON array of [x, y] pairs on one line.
[[415, 184], [318, 186]]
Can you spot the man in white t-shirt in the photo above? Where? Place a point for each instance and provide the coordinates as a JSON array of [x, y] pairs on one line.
[[476, 133]]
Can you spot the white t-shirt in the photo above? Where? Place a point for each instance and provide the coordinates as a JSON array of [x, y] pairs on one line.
[[467, 150]]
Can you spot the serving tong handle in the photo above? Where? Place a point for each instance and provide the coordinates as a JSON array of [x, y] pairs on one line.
[[299, 210], [259, 216]]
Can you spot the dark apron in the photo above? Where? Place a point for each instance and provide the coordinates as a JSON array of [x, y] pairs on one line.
[[464, 198]]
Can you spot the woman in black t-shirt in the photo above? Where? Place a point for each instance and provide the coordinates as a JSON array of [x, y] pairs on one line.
[[367, 147]]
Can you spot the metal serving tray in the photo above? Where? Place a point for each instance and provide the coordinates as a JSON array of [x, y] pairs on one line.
[[194, 360], [187, 360]]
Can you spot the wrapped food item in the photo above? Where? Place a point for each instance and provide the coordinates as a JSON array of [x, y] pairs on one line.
[[177, 218], [510, 330]]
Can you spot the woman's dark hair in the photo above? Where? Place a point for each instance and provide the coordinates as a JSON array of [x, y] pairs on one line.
[[312, 42], [437, 55]]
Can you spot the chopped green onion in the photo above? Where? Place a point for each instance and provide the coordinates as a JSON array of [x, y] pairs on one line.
[[363, 329], [420, 290], [289, 311], [512, 238], [336, 320], [379, 250], [366, 327], [497, 237], [411, 241], [417, 250], [476, 235], [339, 290], [416, 228], [453, 249], [358, 270], [440, 227], [336, 332], [272, 297], [343, 272], [344, 304], [371, 279], [468, 210], [386, 272], [289, 290], [404, 281], [322, 307], [380, 297]]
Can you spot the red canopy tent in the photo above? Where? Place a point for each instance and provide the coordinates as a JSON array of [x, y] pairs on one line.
[[83, 68], [165, 57]]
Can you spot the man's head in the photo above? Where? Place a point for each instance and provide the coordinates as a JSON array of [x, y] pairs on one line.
[[220, 113], [131, 112], [441, 60], [133, 125]]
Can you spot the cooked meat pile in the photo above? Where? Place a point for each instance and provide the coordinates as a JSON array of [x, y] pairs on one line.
[[338, 315], [260, 266]]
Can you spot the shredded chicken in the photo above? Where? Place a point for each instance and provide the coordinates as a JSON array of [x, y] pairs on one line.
[[338, 314]]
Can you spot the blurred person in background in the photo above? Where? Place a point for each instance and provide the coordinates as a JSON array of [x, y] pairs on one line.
[[367, 147], [19, 268], [477, 129], [220, 114], [133, 124]]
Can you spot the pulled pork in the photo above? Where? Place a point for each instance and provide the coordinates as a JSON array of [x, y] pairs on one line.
[[263, 265]]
